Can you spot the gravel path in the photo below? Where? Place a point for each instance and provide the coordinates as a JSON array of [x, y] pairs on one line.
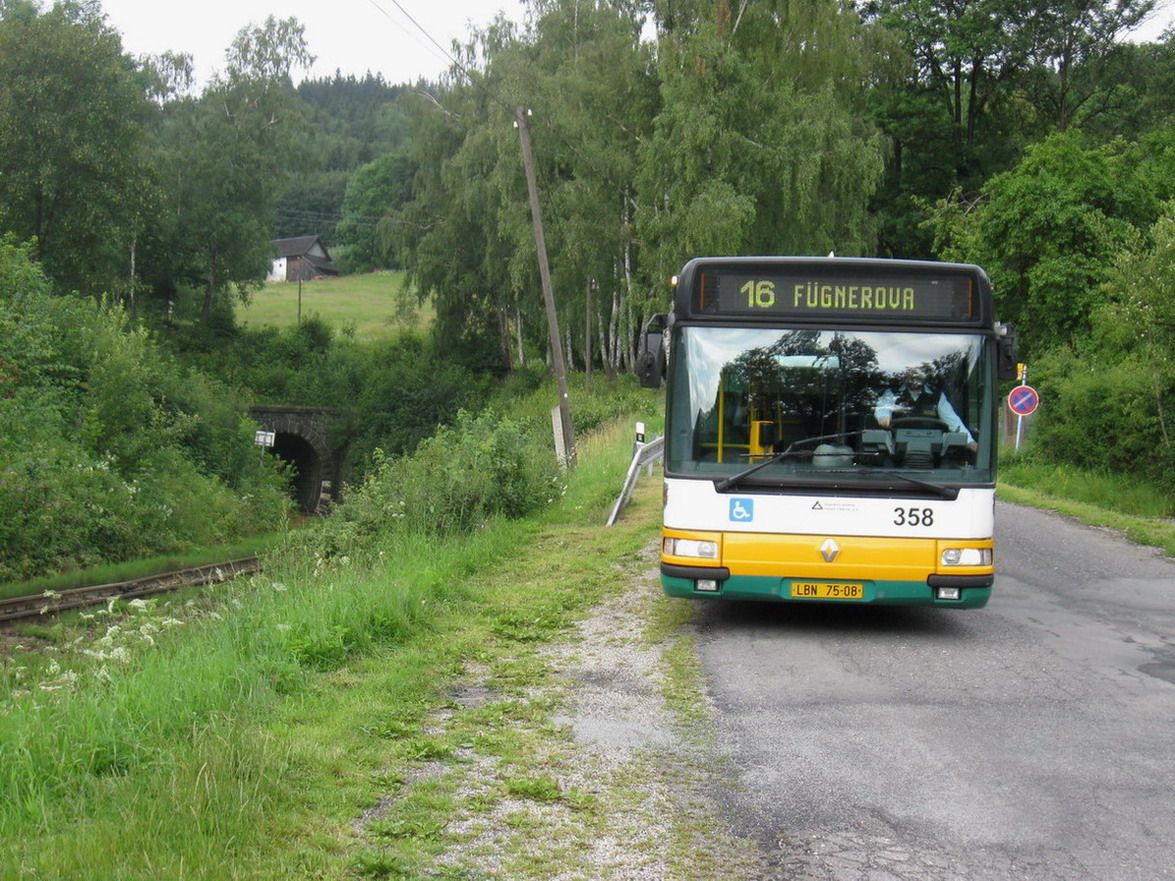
[[611, 782]]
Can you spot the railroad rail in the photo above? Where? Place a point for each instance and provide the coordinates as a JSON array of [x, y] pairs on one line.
[[33, 606]]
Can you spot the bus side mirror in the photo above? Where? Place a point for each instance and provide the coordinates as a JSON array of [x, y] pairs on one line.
[[650, 356], [1005, 352]]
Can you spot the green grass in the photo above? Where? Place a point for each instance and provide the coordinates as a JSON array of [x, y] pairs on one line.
[[376, 305], [245, 741], [1141, 511]]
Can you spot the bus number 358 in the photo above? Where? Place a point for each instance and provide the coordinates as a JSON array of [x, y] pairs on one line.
[[913, 516]]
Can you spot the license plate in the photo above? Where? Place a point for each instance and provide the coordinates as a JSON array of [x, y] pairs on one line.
[[827, 590]]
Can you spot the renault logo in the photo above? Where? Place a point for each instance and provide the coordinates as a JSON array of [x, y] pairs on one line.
[[829, 550]]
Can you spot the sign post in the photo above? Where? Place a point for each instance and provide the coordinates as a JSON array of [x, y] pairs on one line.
[[1023, 401]]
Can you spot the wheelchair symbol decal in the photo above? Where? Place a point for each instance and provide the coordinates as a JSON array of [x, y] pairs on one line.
[[742, 510]]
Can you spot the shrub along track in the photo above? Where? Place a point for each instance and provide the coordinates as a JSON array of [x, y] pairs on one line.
[[52, 602]]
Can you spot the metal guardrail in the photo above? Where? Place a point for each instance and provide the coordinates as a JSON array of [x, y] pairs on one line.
[[643, 455]]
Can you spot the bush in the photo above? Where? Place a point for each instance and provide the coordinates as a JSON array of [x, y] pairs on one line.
[[1110, 400], [1102, 415], [108, 448], [479, 468]]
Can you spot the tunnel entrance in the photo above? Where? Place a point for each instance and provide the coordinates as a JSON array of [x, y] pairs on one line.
[[305, 470], [302, 437]]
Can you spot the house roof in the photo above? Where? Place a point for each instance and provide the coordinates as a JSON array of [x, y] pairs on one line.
[[326, 267], [298, 246]]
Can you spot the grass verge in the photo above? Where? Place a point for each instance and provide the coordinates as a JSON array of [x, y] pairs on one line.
[[266, 735], [1142, 512]]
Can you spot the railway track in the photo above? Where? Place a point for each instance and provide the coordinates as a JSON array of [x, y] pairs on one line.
[[19, 608]]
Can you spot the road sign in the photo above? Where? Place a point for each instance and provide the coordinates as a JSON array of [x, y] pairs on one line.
[[1023, 400]]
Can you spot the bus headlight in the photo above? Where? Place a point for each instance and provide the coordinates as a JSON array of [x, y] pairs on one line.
[[966, 557], [690, 547]]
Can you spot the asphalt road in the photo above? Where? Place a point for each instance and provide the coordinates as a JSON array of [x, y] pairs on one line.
[[1033, 739]]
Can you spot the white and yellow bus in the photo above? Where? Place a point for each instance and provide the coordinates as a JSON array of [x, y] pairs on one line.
[[831, 431]]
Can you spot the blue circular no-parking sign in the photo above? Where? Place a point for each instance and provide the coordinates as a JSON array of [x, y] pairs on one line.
[[1023, 400]]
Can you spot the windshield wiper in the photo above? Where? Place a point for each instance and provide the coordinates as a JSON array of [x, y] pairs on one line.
[[724, 485], [946, 492]]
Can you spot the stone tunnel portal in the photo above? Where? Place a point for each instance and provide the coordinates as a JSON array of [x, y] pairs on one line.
[[301, 438]]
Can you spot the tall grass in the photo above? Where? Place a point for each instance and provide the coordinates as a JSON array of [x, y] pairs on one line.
[[140, 750], [1111, 491]]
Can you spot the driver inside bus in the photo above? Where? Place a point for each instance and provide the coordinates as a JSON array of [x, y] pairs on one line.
[[914, 399]]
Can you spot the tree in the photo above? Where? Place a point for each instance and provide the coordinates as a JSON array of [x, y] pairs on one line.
[[1073, 44], [1048, 232], [225, 158], [760, 145], [1111, 393], [71, 170], [967, 54], [374, 191]]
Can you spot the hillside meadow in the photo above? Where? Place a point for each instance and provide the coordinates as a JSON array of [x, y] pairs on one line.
[[376, 305]]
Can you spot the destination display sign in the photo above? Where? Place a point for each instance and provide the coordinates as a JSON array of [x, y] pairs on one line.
[[781, 292]]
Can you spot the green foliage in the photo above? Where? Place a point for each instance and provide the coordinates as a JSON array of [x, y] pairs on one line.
[[161, 742], [375, 190], [1112, 399], [388, 394], [109, 449], [350, 122], [758, 147], [1048, 232], [71, 141], [224, 159], [477, 469]]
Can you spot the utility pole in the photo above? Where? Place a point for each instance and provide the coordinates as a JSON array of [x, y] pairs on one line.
[[520, 120]]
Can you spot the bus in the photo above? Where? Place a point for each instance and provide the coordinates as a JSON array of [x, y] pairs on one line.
[[830, 430]]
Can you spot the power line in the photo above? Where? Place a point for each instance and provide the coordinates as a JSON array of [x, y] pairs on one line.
[[420, 28]]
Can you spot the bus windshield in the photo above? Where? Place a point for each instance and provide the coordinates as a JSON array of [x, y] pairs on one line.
[[834, 406]]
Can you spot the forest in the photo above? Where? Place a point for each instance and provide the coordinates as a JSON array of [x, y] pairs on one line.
[[1032, 138]]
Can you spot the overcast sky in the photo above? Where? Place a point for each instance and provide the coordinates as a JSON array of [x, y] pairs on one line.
[[353, 36]]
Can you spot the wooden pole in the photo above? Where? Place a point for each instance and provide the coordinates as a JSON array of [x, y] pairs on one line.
[[520, 118]]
